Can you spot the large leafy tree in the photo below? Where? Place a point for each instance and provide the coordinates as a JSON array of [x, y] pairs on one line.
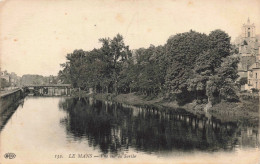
[[182, 51], [222, 84], [77, 67], [208, 79], [149, 71], [190, 65], [115, 54]]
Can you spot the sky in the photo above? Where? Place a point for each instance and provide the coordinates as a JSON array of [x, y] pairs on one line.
[[36, 35]]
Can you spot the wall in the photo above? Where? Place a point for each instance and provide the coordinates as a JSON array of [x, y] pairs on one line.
[[6, 100], [254, 78]]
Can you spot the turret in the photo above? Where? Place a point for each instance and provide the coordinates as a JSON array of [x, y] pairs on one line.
[[248, 30]]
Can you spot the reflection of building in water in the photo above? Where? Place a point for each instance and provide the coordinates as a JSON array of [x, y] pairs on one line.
[[248, 137]]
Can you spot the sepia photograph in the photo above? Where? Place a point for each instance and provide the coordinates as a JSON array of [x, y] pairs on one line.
[[129, 81]]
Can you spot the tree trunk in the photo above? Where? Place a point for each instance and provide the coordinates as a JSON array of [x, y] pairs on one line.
[[95, 89]]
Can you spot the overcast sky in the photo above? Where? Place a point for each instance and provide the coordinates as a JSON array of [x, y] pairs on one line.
[[36, 35]]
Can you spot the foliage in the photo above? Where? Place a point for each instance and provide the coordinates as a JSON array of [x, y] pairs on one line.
[[243, 81], [189, 66], [222, 84], [182, 51], [4, 83], [254, 90], [38, 79]]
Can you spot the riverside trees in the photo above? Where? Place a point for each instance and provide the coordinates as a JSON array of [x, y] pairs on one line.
[[189, 66]]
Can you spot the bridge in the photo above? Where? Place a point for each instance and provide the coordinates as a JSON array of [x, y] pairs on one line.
[[49, 89]]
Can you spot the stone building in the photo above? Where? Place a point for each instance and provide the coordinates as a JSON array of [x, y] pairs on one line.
[[248, 48], [5, 75], [11, 78], [253, 76]]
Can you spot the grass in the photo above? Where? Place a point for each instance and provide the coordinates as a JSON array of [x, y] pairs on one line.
[[247, 110]]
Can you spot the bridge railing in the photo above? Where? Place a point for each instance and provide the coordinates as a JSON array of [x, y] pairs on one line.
[[49, 85]]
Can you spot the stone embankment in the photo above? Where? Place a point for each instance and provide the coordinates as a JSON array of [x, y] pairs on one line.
[[10, 97]]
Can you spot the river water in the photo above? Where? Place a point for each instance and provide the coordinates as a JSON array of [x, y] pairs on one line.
[[52, 129]]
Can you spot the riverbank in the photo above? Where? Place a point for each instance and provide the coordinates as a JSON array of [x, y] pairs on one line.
[[9, 101], [10, 97], [246, 111]]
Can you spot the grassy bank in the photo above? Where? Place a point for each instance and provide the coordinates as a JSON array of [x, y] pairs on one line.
[[245, 111]]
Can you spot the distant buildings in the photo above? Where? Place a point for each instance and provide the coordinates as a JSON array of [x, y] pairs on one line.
[[253, 76], [248, 43], [11, 78], [5, 75]]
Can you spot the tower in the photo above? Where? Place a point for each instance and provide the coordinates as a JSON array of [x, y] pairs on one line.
[[248, 48], [248, 30], [249, 45]]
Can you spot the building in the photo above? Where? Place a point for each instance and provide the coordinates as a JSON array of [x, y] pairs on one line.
[[248, 48], [14, 79], [253, 77], [5, 75], [11, 78]]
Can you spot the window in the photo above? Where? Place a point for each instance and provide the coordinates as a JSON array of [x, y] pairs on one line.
[[256, 75], [248, 34]]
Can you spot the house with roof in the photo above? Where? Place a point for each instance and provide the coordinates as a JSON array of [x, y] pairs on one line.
[[248, 48], [253, 75]]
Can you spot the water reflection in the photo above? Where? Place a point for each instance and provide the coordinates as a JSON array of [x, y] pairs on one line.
[[114, 127], [7, 114]]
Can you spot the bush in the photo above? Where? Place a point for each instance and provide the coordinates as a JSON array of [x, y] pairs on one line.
[[243, 81], [254, 90], [4, 83]]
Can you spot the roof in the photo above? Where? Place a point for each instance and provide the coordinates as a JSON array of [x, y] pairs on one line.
[[256, 65]]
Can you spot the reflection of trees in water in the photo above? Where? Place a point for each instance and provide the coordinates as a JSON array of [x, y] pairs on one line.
[[115, 127], [93, 122]]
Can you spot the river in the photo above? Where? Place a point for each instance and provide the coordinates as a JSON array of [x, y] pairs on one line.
[[43, 129]]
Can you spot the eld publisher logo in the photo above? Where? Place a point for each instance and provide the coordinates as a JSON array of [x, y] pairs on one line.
[[9, 155]]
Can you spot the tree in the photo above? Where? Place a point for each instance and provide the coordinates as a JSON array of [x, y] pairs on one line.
[[182, 51], [220, 42], [242, 81], [197, 69], [4, 83], [76, 68], [222, 84], [115, 54], [64, 75], [189, 66]]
